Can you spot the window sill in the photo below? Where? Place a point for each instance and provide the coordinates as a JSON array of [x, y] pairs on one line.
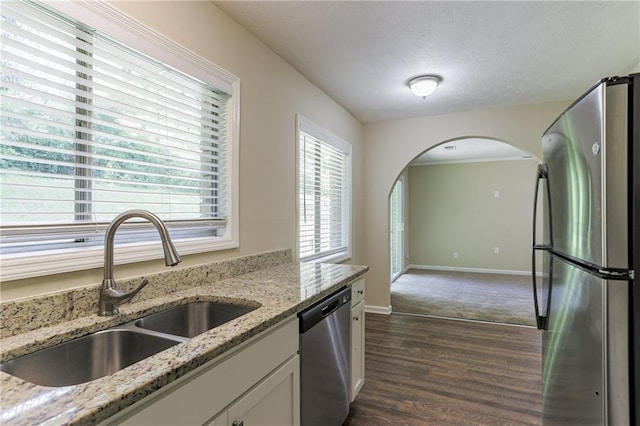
[[15, 267], [332, 258]]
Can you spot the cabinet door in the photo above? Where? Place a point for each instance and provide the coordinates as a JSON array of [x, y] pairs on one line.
[[205, 392], [221, 419], [357, 349], [274, 401]]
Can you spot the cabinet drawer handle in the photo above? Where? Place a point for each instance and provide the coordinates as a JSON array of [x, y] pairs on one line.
[[356, 318], [238, 423], [360, 291]]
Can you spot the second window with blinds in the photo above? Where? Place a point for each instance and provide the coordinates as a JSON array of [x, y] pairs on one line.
[[324, 194]]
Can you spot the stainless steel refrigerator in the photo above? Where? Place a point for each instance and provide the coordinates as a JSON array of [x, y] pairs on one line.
[[584, 256]]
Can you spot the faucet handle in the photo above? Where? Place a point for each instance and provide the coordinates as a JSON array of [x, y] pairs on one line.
[[120, 297], [143, 283], [110, 297]]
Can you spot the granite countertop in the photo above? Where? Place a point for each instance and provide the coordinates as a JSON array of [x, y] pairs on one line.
[[281, 290]]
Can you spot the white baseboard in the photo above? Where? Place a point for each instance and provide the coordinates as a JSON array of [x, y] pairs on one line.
[[458, 269], [372, 309]]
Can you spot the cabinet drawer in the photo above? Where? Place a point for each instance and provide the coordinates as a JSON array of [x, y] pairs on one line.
[[357, 291], [208, 390]]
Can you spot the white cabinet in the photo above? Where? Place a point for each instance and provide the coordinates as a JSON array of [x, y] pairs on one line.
[[272, 402], [260, 379], [357, 338]]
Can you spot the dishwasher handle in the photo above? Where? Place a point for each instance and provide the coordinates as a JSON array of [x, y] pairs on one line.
[[329, 309], [324, 308]]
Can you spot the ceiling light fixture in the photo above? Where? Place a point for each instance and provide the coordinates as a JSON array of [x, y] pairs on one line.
[[424, 85]]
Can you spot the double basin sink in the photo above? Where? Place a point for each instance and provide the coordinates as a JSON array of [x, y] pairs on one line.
[[105, 352]]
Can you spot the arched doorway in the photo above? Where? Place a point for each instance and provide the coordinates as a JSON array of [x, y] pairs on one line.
[[467, 228]]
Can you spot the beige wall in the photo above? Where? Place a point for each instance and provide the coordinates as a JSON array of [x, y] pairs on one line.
[[272, 92], [454, 209], [390, 146]]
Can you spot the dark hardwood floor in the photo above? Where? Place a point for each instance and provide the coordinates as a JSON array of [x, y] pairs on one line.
[[429, 371]]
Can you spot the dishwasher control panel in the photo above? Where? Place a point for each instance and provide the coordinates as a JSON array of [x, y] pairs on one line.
[[322, 309]]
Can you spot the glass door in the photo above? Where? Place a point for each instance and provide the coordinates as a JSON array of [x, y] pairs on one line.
[[396, 227]]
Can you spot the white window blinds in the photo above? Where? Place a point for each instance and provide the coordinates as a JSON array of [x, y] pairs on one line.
[[324, 193], [91, 128]]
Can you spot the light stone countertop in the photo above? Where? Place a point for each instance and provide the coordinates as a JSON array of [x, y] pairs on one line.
[[281, 290]]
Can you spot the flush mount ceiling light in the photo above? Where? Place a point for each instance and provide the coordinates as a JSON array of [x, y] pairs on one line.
[[424, 85]]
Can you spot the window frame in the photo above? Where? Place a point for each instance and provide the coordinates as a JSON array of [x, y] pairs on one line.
[[111, 21], [307, 126]]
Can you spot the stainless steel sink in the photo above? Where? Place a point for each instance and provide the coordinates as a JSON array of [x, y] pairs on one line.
[[193, 318], [87, 358], [106, 352]]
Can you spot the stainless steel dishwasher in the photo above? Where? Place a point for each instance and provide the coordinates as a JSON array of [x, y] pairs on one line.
[[325, 341]]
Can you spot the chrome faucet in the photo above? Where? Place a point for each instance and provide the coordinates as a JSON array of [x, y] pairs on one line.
[[110, 297]]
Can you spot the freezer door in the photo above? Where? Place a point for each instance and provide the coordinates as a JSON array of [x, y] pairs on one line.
[[585, 153], [573, 348], [571, 150]]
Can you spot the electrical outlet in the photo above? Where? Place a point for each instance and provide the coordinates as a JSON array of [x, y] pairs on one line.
[[456, 255], [496, 250]]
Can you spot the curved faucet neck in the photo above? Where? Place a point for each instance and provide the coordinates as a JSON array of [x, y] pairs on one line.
[[110, 297], [119, 220]]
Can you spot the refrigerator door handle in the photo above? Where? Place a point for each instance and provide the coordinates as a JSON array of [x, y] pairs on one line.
[[543, 173], [541, 320]]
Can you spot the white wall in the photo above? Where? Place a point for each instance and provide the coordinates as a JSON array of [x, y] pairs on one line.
[[454, 209], [390, 146], [272, 92]]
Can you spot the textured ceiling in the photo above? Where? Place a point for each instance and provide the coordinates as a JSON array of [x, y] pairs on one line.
[[471, 150], [489, 53]]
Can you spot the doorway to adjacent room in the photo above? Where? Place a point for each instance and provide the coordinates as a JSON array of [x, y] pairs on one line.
[[460, 224]]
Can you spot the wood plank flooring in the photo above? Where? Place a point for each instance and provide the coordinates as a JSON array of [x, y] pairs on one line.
[[430, 371]]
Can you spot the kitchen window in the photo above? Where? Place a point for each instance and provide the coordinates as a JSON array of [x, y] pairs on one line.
[[92, 127], [324, 196]]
